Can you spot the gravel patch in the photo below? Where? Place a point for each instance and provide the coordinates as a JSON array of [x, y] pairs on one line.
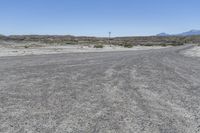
[[194, 52]]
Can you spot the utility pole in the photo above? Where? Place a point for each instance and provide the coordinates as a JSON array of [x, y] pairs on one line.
[[109, 38]]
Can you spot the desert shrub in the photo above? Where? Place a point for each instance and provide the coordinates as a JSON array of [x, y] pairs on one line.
[[127, 45], [119, 44], [98, 46], [176, 44], [34, 45], [171, 44], [164, 45], [26, 46], [70, 43], [149, 44]]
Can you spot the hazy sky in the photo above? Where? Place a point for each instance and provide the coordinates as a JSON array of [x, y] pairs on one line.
[[98, 17]]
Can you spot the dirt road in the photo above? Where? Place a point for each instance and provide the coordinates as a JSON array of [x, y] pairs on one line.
[[152, 91]]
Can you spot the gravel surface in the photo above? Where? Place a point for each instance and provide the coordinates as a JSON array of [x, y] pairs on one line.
[[194, 52], [152, 91]]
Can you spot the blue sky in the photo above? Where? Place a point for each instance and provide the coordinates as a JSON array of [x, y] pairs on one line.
[[98, 17]]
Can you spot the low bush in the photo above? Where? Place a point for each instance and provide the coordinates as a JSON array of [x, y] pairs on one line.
[[177, 44], [149, 44], [128, 45], [26, 46], [164, 45], [98, 46]]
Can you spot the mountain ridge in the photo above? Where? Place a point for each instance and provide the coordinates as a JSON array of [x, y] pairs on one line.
[[187, 33]]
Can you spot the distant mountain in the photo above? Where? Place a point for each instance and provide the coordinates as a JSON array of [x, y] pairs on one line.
[[163, 34], [188, 33], [2, 36]]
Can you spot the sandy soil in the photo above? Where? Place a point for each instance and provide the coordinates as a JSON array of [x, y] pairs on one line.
[[21, 51], [194, 52]]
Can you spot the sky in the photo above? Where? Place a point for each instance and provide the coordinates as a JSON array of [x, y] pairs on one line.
[[98, 17]]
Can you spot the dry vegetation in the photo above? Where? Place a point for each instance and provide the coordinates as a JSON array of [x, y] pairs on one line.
[[98, 46], [121, 41]]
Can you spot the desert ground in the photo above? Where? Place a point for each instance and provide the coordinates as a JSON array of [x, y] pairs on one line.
[[41, 50], [193, 52], [135, 91]]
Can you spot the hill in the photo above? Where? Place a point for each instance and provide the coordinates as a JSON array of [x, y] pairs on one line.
[[188, 33]]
